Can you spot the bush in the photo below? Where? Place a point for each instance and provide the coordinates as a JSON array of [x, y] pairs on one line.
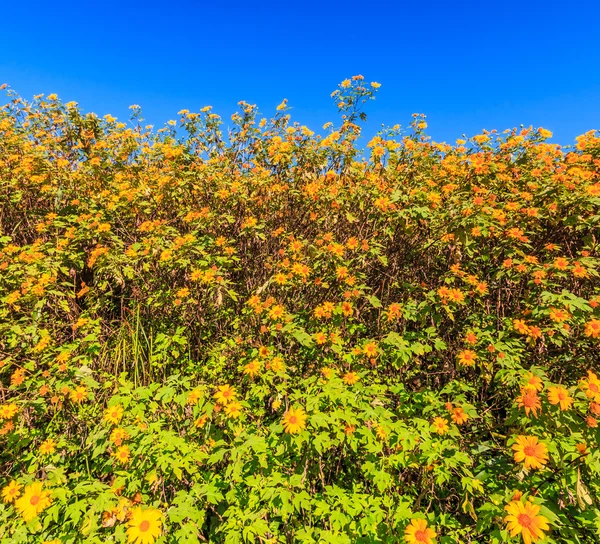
[[263, 336]]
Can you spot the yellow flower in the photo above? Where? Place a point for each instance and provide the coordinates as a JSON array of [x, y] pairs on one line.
[[7, 411], [252, 368], [33, 501], [225, 393], [294, 420], [417, 532], [194, 396], [118, 435], [525, 519], [559, 395], [233, 409], [79, 394], [440, 425], [123, 454], [11, 492], [350, 378], [48, 447], [529, 450], [592, 328], [144, 526], [467, 357], [113, 414]]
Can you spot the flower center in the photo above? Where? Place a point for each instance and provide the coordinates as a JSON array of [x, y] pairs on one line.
[[525, 521], [529, 451], [34, 500], [144, 526], [420, 536], [293, 420], [593, 387]]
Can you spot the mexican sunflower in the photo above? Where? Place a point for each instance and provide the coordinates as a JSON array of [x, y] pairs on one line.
[[529, 450], [33, 501], [144, 526], [417, 532], [525, 519], [294, 420]]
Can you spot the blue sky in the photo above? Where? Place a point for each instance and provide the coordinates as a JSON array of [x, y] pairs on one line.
[[467, 65]]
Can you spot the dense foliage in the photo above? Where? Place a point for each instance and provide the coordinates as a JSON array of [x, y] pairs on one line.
[[262, 335]]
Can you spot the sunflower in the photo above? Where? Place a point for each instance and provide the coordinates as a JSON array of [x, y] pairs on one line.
[[417, 532], [33, 501], [350, 378], [467, 357], [7, 411], [525, 519], [440, 425], [123, 454], [47, 447], [144, 525], [225, 393], [559, 395], [529, 450], [113, 414], [294, 420], [233, 409], [11, 492]]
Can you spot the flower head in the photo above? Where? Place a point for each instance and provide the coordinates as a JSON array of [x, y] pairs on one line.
[[113, 414], [294, 420], [144, 526], [524, 518], [559, 395], [225, 393], [11, 492], [530, 451], [417, 532], [33, 501]]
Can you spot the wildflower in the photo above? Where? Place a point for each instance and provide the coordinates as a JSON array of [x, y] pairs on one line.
[[530, 401], [591, 386], [252, 368], [225, 393], [350, 378], [459, 416], [533, 382], [47, 447], [11, 492], [123, 454], [79, 394], [525, 519], [113, 414], [559, 395], [467, 357], [144, 525], [33, 501], [294, 420], [194, 396], [440, 425], [118, 435], [233, 409], [592, 328], [417, 532], [7, 411], [529, 450], [370, 349]]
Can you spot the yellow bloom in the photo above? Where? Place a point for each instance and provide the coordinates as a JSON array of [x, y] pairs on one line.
[[440, 425], [123, 454], [225, 393], [350, 378], [118, 435], [113, 414], [48, 446], [529, 450], [417, 532], [467, 357], [79, 394], [7, 411], [233, 409], [144, 526], [11, 492], [525, 519], [33, 501], [559, 395], [294, 420]]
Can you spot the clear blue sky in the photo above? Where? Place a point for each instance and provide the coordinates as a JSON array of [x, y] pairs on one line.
[[468, 65]]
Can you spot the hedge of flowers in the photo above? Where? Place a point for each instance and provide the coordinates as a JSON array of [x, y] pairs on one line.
[[242, 331]]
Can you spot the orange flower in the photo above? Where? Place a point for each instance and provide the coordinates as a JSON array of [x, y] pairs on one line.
[[294, 420], [417, 532], [525, 519], [225, 393], [459, 416], [467, 357], [592, 328], [350, 378], [591, 386], [529, 400], [530, 451], [559, 395], [533, 382], [440, 425]]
